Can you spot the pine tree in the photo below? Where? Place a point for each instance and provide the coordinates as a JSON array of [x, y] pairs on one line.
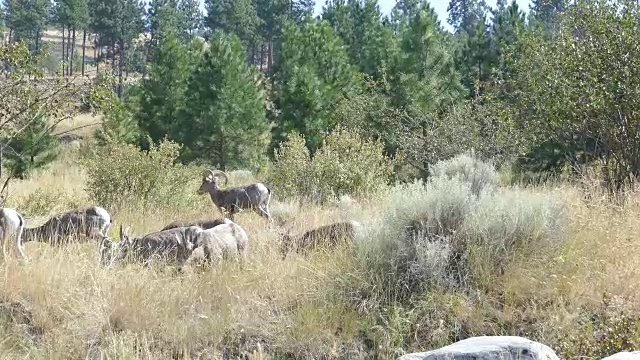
[[238, 17], [191, 17], [424, 73], [465, 14], [312, 73], [163, 90], [359, 24], [224, 118], [35, 147], [26, 19]]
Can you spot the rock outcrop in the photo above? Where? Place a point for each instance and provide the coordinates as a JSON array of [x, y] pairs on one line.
[[489, 348]]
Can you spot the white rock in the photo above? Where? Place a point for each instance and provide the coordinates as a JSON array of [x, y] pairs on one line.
[[489, 348], [625, 355]]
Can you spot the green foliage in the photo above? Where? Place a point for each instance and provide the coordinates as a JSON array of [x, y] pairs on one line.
[[124, 175], [346, 164], [312, 73], [439, 234], [33, 147], [578, 88], [162, 94], [118, 124], [224, 120], [43, 202], [423, 73], [233, 16]]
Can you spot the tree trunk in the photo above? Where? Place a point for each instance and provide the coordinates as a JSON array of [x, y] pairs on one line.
[[73, 51], [69, 50], [84, 42], [96, 55], [10, 34], [120, 67], [269, 56], [64, 60], [261, 55]]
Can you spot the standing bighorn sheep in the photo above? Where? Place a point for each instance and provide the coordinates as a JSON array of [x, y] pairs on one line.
[[93, 222], [327, 235], [221, 242], [165, 245], [253, 196], [205, 224], [12, 223]]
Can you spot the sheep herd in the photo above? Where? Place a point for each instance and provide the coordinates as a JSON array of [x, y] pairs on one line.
[[216, 239]]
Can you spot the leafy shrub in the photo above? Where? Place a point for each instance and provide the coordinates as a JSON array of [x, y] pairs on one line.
[[346, 164], [119, 174], [43, 202], [441, 233], [471, 170]]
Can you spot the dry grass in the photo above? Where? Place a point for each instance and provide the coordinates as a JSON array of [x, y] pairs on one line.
[[295, 306]]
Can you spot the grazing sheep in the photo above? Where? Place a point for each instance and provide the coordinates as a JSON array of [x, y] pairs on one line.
[[221, 242], [327, 235], [205, 224], [253, 196], [93, 222], [12, 223], [165, 245]]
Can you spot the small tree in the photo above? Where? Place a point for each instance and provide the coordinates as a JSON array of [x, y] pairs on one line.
[[224, 118]]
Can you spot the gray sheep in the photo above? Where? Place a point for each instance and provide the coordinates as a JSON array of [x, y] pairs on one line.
[[253, 196], [93, 223]]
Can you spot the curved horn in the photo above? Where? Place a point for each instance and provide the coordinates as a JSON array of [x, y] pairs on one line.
[[226, 178], [207, 173]]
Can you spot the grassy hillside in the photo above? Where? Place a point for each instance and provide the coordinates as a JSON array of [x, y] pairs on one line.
[[578, 294]]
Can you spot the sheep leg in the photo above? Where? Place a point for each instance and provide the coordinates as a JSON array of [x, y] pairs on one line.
[[17, 243]]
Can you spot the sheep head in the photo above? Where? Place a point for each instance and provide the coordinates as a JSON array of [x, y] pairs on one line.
[[210, 181]]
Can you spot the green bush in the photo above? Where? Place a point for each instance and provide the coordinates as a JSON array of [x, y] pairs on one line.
[[440, 233], [43, 202], [346, 164], [120, 175]]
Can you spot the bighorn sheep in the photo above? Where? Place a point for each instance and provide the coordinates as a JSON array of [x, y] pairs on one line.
[[93, 222], [12, 223], [327, 235], [222, 241], [205, 224], [253, 196], [167, 245]]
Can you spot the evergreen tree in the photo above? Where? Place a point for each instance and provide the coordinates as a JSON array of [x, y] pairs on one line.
[[71, 15], [34, 147], [424, 73], [508, 26], [224, 118], [312, 73], [465, 14], [359, 24], [26, 19], [163, 90], [233, 16], [191, 18]]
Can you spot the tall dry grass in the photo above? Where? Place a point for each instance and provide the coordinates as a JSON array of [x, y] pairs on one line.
[[64, 305]]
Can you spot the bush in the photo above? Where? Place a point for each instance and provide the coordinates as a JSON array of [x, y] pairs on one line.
[[441, 233], [121, 174], [346, 164], [471, 170]]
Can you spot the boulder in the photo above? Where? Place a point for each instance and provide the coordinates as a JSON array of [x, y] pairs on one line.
[[625, 355], [489, 348]]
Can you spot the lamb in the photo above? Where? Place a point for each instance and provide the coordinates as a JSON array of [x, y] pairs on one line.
[[204, 224], [12, 223], [221, 242], [253, 196], [327, 235], [93, 222], [173, 244]]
